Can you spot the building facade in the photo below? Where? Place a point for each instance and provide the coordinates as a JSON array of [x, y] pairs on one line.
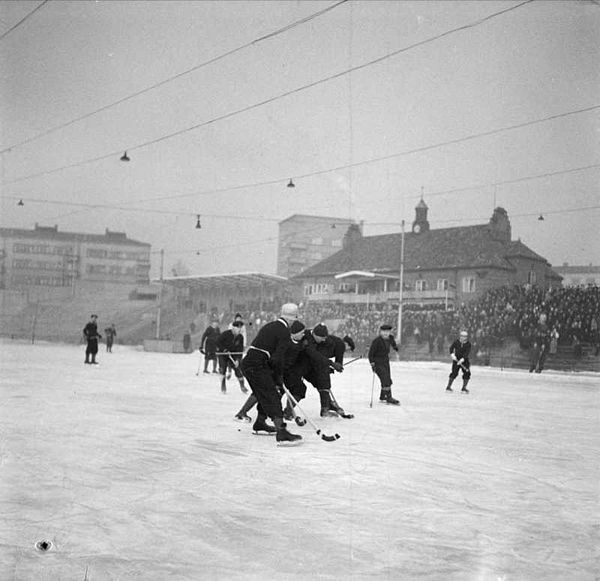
[[305, 240], [579, 275], [46, 258], [440, 267]]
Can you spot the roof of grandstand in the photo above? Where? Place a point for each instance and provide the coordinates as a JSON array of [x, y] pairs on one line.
[[238, 279]]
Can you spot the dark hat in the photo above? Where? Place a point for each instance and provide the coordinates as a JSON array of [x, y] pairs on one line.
[[237, 324], [92, 316], [321, 330], [385, 327], [296, 327], [347, 339], [237, 315]]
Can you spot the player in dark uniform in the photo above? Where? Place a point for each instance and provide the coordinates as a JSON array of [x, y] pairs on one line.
[[263, 368], [379, 358], [110, 333], [459, 352], [90, 332], [228, 342], [334, 348], [208, 345], [304, 361]]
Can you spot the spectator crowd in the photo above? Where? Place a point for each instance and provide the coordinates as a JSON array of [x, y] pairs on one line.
[[569, 315]]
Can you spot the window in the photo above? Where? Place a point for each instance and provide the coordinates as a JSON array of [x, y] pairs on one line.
[[96, 253], [420, 285], [317, 240], [468, 284], [336, 243], [442, 284], [531, 277]]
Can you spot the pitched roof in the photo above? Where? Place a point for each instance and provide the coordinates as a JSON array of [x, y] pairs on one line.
[[465, 246]]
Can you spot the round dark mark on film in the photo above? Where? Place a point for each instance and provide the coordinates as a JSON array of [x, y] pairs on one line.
[[43, 546]]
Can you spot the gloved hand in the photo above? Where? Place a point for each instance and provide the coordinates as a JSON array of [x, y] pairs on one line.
[[453, 356], [202, 351], [461, 361], [396, 349], [337, 366]]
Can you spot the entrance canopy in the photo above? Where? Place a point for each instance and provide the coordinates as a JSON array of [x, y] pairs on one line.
[[358, 274]]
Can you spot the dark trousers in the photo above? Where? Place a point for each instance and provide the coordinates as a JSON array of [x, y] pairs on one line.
[[259, 374], [225, 363], [91, 349], [382, 369], [456, 368]]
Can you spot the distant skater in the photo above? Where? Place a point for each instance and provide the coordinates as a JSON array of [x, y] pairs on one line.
[[208, 346], [379, 358], [110, 333], [90, 332], [459, 352], [230, 344]]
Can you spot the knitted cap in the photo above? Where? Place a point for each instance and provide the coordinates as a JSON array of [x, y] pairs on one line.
[[321, 330], [296, 327]]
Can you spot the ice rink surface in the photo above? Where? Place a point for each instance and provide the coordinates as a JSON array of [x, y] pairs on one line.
[[134, 469]]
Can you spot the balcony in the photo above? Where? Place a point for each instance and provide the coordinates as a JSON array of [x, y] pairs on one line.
[[408, 296]]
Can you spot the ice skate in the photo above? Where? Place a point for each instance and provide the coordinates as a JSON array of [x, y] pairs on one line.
[[328, 413], [464, 390], [261, 427], [285, 438], [386, 397], [242, 418]]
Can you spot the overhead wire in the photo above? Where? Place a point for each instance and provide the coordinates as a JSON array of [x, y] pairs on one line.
[[276, 98], [28, 15], [213, 60]]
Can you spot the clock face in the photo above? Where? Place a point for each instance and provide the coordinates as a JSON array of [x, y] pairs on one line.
[[416, 228]]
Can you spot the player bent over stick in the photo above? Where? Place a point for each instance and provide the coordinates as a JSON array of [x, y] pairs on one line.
[[459, 352], [263, 365]]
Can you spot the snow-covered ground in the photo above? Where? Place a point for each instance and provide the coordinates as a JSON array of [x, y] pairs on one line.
[[134, 469]]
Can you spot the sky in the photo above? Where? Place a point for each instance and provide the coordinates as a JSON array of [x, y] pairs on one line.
[[364, 106]]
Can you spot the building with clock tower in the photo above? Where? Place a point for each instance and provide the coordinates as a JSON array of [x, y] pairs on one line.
[[420, 223]]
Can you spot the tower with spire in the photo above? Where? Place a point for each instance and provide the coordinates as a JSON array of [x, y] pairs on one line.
[[420, 223]]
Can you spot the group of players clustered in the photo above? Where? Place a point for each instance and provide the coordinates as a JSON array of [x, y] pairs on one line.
[[282, 356]]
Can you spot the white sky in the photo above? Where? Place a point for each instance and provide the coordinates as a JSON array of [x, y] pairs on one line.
[[69, 59]]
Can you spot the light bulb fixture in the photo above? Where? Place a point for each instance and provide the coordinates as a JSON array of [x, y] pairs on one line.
[[20, 203], [541, 217], [125, 157], [291, 184], [198, 226]]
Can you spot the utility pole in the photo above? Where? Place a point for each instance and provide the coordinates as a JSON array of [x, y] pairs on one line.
[[401, 289], [160, 292]]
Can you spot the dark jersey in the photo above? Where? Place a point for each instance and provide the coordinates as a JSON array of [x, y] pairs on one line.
[[332, 347], [273, 340], [90, 331], [208, 341], [461, 350], [380, 348], [227, 341]]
